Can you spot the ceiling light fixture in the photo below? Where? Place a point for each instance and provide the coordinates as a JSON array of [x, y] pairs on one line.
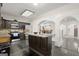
[[35, 4], [27, 13]]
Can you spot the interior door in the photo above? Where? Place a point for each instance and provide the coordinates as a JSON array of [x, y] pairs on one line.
[[75, 32]]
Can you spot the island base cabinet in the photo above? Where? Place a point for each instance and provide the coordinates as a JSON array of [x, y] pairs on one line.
[[40, 45]]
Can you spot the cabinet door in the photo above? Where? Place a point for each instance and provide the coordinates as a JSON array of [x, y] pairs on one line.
[[21, 25], [0, 11], [3, 23], [8, 24], [0, 16]]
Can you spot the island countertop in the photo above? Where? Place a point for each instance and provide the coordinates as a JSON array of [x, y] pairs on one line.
[[41, 35]]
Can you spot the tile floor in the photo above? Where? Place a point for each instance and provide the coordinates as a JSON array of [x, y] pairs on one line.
[[21, 48]]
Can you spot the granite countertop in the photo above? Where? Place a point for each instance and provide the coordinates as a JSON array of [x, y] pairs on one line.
[[41, 35]]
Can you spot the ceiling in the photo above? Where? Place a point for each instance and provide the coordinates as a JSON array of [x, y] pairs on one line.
[[16, 9]]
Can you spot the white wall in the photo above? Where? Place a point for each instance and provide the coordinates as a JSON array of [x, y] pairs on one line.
[[57, 15]]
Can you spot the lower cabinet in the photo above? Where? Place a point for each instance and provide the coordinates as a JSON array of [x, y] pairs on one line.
[[5, 50], [40, 45]]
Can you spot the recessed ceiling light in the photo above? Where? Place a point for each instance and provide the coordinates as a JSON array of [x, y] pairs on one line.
[[35, 4], [27, 13]]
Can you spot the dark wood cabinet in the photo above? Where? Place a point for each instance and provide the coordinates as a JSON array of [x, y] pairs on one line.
[[5, 24], [21, 25], [40, 45], [0, 10], [1, 25], [0, 16], [8, 24]]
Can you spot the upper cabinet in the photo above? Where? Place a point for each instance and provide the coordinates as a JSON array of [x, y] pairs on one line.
[[0, 15], [21, 25], [4, 24], [7, 24]]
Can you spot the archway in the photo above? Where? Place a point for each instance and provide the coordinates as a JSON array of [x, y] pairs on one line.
[[46, 27], [69, 32], [68, 25]]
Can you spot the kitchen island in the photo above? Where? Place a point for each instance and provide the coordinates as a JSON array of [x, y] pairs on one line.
[[40, 44]]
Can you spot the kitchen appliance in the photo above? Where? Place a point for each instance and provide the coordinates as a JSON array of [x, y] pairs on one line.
[[15, 35]]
